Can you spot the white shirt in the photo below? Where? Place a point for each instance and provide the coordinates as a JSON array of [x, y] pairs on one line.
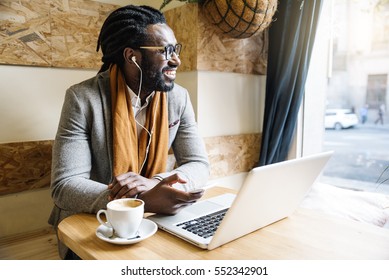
[[140, 111]]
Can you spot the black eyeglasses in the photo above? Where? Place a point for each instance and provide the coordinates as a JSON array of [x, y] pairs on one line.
[[168, 50]]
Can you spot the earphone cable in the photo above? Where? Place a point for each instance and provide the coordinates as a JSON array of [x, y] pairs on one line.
[[154, 116]]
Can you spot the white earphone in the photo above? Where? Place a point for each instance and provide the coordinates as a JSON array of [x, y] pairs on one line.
[[150, 133]]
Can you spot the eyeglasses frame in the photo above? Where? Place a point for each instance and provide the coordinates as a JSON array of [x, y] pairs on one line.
[[165, 48]]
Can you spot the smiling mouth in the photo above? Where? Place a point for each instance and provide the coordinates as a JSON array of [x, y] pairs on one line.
[[171, 74]]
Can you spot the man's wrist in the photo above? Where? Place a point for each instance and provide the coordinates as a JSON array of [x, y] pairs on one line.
[[157, 177]]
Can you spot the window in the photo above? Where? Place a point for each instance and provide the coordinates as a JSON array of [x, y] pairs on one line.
[[348, 82], [376, 90], [380, 40]]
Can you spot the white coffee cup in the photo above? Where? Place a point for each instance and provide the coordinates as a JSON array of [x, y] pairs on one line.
[[124, 216]]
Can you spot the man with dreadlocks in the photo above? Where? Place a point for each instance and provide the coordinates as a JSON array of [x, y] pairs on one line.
[[116, 128]]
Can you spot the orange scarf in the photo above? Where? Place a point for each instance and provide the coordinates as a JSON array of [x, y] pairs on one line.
[[128, 152]]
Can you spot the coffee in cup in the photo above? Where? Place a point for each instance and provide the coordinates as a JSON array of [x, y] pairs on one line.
[[123, 215]]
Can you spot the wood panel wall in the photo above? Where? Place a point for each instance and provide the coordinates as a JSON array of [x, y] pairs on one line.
[[51, 33], [27, 165], [64, 34], [205, 49]]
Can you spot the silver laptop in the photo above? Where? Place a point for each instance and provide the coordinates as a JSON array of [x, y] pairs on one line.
[[268, 194]]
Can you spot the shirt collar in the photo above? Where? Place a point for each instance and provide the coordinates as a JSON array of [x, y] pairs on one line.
[[135, 101]]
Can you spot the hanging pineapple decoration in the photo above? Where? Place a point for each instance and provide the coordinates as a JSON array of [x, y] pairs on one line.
[[240, 18]]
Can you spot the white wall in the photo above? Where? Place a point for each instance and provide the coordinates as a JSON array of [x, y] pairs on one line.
[[230, 103], [31, 100], [226, 103]]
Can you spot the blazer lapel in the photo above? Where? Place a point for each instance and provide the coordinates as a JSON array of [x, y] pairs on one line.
[[105, 95]]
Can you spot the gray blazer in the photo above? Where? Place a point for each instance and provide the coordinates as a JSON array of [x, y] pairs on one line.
[[82, 151]]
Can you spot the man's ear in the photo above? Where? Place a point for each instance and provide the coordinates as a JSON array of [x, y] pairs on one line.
[[128, 53]]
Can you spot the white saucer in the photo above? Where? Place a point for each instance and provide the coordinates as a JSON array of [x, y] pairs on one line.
[[147, 228]]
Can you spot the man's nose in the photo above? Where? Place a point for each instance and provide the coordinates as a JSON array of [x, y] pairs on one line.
[[175, 60]]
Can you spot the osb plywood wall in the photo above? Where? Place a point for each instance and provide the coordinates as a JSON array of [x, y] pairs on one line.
[[51, 33], [27, 165], [206, 49], [232, 154], [24, 166], [64, 34]]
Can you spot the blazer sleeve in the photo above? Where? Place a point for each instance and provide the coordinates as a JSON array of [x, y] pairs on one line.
[[187, 144], [73, 190]]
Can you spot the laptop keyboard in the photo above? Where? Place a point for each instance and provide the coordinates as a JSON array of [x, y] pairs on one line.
[[204, 226]]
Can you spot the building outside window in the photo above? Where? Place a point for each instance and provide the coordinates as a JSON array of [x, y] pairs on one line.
[[352, 78]]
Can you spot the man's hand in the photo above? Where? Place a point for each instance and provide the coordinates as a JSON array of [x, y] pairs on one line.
[[165, 199], [130, 184]]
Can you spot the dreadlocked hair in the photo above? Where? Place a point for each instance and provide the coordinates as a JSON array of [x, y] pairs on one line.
[[125, 27]]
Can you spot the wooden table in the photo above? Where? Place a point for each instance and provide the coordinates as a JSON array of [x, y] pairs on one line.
[[307, 234]]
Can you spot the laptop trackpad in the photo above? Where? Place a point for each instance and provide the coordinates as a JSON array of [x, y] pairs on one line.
[[203, 208], [212, 205]]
